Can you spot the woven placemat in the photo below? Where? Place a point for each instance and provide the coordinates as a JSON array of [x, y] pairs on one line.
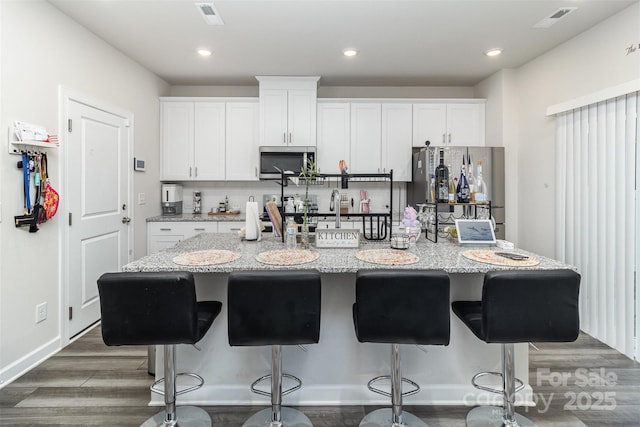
[[489, 257], [387, 257], [287, 256], [206, 257]]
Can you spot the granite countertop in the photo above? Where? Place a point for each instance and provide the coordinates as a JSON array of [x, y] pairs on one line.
[[190, 217], [445, 255]]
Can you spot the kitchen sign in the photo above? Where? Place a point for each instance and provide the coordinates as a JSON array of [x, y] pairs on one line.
[[337, 238]]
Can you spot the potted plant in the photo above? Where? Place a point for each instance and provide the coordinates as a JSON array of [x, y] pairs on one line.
[[309, 175]]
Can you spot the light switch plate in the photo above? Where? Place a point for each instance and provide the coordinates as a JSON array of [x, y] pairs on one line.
[[142, 198]]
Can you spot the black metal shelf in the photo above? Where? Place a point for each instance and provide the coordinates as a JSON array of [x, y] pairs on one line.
[[383, 223], [450, 220]]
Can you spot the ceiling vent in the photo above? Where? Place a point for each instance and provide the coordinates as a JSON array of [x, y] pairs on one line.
[[209, 13], [554, 17]]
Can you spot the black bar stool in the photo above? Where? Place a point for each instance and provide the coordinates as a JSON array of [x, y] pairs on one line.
[[158, 309], [274, 308], [400, 307], [516, 307]]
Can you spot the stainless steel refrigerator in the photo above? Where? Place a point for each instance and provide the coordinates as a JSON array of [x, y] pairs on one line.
[[426, 159]]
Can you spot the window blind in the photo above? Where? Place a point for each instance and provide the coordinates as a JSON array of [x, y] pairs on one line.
[[597, 215]]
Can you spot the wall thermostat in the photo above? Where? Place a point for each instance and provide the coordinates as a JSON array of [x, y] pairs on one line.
[[138, 164]]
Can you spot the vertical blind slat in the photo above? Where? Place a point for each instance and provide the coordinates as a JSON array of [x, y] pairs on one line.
[[620, 231], [602, 224], [595, 229], [610, 200], [585, 213], [631, 223]]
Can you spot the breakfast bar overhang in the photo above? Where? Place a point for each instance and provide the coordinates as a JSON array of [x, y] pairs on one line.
[[336, 370]]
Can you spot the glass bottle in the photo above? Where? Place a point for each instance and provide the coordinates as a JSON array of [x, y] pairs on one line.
[[462, 190], [481, 186], [291, 232], [451, 196], [432, 188], [471, 179], [442, 181]]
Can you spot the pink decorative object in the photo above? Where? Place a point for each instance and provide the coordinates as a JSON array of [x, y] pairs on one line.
[[410, 217]]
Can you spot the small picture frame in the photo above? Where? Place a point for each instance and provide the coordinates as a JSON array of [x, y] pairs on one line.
[[138, 164]]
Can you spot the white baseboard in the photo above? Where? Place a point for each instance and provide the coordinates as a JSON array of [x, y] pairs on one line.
[[9, 373]]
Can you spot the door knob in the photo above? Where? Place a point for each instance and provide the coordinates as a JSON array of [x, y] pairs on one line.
[[126, 220]]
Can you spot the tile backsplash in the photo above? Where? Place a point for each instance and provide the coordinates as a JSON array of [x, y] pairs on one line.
[[212, 193]]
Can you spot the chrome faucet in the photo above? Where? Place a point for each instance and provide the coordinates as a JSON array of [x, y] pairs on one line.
[[335, 203]]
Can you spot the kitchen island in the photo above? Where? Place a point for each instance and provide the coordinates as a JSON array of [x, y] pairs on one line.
[[336, 370]]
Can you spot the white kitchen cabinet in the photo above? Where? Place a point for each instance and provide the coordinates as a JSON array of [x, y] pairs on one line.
[[333, 136], [366, 131], [288, 110], [230, 226], [162, 235], [176, 140], [449, 124], [381, 135], [396, 143], [209, 141], [193, 141], [242, 160]]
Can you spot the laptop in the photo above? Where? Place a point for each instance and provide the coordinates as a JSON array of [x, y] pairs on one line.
[[475, 231]]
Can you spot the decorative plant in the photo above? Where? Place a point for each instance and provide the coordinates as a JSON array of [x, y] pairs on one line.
[[309, 175]]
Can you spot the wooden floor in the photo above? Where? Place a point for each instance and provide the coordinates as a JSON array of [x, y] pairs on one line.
[[90, 384]]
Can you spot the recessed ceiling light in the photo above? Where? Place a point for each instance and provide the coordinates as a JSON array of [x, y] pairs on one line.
[[493, 52], [350, 52], [204, 52]]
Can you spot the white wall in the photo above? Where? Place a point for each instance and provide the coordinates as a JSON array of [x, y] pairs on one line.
[[501, 131], [42, 49], [592, 61]]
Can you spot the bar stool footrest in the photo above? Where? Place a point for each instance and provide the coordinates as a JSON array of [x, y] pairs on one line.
[[519, 383], [154, 387], [416, 387], [268, 377]]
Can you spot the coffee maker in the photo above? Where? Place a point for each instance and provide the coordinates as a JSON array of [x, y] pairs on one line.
[[171, 199], [197, 202]]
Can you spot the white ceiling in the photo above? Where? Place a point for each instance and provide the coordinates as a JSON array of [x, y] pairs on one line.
[[400, 43]]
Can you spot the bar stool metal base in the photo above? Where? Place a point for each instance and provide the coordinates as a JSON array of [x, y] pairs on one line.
[[289, 418], [382, 418], [187, 416], [493, 416]]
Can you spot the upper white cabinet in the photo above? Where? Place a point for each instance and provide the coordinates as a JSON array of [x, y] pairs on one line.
[[454, 124], [334, 133], [193, 141], [381, 139], [396, 140], [288, 110], [242, 136], [366, 133], [209, 140], [373, 137]]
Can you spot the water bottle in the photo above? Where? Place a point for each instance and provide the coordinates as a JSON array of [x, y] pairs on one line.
[[291, 231]]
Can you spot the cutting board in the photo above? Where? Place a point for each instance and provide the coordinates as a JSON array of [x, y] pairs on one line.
[[275, 217], [223, 213]]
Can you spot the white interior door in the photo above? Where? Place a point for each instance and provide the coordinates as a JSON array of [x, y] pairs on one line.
[[98, 203]]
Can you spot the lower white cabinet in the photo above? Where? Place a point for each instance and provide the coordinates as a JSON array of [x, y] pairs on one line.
[[230, 226], [162, 235]]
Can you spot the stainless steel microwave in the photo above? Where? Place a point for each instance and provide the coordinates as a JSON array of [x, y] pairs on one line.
[[275, 159]]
